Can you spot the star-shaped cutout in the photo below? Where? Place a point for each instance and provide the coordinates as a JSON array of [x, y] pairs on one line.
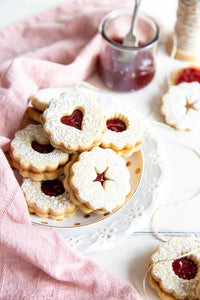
[[189, 106], [101, 177]]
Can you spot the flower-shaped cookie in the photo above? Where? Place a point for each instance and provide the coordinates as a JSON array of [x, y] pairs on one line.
[[181, 106], [124, 131], [174, 268], [74, 121], [48, 198], [31, 151], [98, 180]]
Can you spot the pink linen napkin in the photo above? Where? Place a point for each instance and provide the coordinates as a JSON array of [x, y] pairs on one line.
[[54, 48]]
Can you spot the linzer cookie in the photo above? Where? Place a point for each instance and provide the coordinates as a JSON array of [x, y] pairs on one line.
[[38, 176], [40, 101], [188, 74], [74, 121], [181, 106], [34, 114], [48, 198], [174, 269], [97, 180], [124, 131], [31, 151]]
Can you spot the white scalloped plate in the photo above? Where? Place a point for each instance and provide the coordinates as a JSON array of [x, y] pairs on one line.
[[94, 232], [115, 228], [98, 232]]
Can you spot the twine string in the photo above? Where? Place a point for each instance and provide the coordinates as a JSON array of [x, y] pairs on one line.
[[187, 26], [154, 225]]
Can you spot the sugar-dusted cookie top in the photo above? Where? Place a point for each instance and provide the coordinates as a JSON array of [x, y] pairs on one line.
[[100, 179], [125, 129], [74, 121], [47, 197], [41, 99], [181, 106], [33, 151], [175, 266]]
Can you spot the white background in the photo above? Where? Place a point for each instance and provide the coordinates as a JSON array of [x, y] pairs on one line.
[[129, 259]]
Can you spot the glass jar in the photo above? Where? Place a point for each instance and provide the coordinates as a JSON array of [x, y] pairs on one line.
[[125, 68]]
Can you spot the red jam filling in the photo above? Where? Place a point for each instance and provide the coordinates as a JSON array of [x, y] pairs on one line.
[[42, 148], [122, 75], [184, 268], [116, 125], [75, 120], [52, 187], [101, 178], [189, 75]]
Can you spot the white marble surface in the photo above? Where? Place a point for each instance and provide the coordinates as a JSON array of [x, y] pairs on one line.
[[129, 258]]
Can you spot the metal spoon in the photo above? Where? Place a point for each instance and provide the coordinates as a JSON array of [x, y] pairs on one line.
[[131, 39]]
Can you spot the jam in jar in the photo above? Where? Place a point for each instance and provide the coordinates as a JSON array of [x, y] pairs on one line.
[[121, 67]]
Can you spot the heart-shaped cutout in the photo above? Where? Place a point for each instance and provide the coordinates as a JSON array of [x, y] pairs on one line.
[[48, 148], [116, 125], [75, 120]]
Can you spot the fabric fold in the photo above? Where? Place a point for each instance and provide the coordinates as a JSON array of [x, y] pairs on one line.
[[53, 49]]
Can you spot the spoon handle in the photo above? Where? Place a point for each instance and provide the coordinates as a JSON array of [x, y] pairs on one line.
[[135, 12]]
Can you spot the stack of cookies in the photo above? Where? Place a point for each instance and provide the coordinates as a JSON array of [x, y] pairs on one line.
[[73, 158]]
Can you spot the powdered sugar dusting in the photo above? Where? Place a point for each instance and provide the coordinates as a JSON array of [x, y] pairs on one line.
[[116, 187], [93, 123], [34, 194], [175, 102], [41, 99], [134, 129], [31, 159], [163, 272]]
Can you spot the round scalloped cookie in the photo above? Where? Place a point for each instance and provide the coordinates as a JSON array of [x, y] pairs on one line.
[[41, 99], [187, 74], [48, 198], [124, 132], [174, 268], [31, 150], [181, 106], [74, 121], [99, 180], [73, 198]]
